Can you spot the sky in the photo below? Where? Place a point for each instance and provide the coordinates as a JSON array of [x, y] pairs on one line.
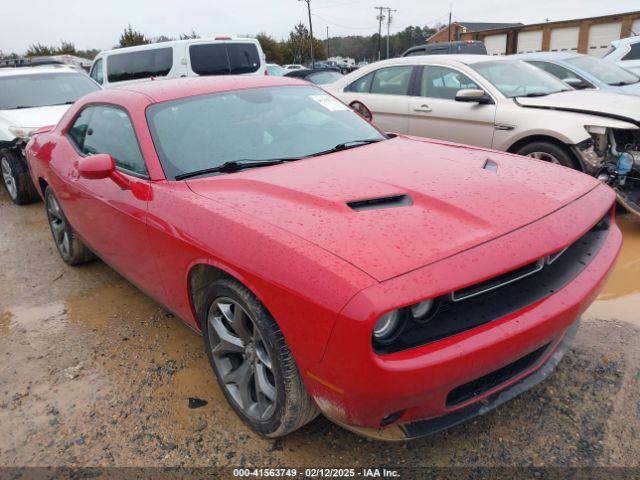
[[92, 24]]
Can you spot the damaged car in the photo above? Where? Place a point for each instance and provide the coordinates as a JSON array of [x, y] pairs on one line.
[[504, 104], [32, 97], [396, 284]]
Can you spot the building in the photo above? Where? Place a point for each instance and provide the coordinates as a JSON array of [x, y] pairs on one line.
[[592, 36], [459, 28]]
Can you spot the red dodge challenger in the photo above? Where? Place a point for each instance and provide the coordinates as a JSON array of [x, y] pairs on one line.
[[397, 285]]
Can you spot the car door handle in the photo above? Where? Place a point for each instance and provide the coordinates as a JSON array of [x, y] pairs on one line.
[[423, 108]]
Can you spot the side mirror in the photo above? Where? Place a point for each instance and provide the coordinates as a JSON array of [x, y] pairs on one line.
[[576, 83], [473, 95], [97, 167]]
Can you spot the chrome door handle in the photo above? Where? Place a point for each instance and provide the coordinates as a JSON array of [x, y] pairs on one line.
[[423, 108]]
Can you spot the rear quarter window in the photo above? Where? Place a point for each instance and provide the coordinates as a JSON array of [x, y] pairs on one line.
[[224, 58], [156, 62]]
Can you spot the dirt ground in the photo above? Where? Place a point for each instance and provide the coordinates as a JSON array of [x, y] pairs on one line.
[[94, 373]]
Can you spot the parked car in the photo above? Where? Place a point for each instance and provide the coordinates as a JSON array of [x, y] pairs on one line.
[[221, 55], [626, 53], [293, 66], [319, 76], [30, 98], [585, 72], [505, 104], [471, 47], [275, 70], [396, 284]]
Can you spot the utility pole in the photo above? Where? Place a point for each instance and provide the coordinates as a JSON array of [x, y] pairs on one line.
[[380, 17], [449, 24], [328, 55], [389, 10], [313, 63]]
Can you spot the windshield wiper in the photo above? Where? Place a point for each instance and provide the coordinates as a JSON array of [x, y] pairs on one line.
[[347, 145], [69, 102], [235, 166]]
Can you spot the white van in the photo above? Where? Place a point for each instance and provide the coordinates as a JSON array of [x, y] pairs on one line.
[[179, 58]]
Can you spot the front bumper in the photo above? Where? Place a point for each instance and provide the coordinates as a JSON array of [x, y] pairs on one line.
[[359, 389], [423, 428]]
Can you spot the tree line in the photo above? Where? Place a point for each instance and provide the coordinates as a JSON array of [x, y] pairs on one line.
[[294, 49]]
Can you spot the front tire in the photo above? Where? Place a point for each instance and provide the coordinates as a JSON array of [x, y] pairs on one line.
[[252, 362], [549, 152], [70, 247], [16, 178]]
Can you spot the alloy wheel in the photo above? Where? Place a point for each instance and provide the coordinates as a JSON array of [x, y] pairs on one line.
[[9, 180], [242, 359], [58, 225], [547, 157]]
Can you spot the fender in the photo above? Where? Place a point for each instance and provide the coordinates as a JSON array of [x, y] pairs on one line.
[[585, 112]]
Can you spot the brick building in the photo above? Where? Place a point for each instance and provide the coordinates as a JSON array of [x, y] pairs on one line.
[[459, 28], [586, 35]]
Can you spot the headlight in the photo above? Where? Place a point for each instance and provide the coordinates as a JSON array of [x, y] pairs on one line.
[[23, 132], [423, 311], [388, 327]]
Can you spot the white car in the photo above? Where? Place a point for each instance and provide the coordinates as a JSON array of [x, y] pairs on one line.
[[31, 98], [626, 53], [293, 66], [220, 55], [503, 104]]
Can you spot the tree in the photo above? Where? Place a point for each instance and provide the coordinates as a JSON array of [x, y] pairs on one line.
[[39, 50], [131, 37], [296, 48], [88, 54], [189, 36], [272, 49], [66, 48]]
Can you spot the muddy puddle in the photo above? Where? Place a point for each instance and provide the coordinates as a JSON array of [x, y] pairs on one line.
[[620, 298]]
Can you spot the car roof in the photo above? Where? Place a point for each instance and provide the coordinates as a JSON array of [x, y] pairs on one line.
[[547, 55], [164, 90], [174, 43], [54, 68], [452, 59]]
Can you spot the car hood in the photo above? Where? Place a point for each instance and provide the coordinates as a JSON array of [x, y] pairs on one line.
[[633, 89], [34, 117], [452, 202], [606, 104]]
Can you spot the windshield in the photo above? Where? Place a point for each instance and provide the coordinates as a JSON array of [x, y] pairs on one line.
[[515, 78], [604, 70], [202, 132], [43, 89]]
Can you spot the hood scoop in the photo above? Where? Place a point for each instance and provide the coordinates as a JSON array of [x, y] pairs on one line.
[[490, 165], [380, 203]]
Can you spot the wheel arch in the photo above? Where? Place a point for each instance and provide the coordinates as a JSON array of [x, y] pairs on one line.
[[201, 274], [522, 142]]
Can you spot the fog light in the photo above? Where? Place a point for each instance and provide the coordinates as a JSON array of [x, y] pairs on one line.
[[392, 417], [388, 327]]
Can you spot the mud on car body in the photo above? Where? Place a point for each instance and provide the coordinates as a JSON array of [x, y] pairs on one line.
[[31, 98]]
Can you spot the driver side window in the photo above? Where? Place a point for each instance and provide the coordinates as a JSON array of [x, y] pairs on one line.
[[104, 129], [443, 82]]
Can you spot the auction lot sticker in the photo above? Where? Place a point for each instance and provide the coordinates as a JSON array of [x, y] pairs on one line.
[[328, 102]]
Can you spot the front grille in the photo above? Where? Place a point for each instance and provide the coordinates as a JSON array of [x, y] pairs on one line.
[[488, 382], [480, 304]]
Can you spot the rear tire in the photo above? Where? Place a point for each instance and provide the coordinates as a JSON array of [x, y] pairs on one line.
[[549, 152], [16, 178], [252, 362], [70, 247]]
